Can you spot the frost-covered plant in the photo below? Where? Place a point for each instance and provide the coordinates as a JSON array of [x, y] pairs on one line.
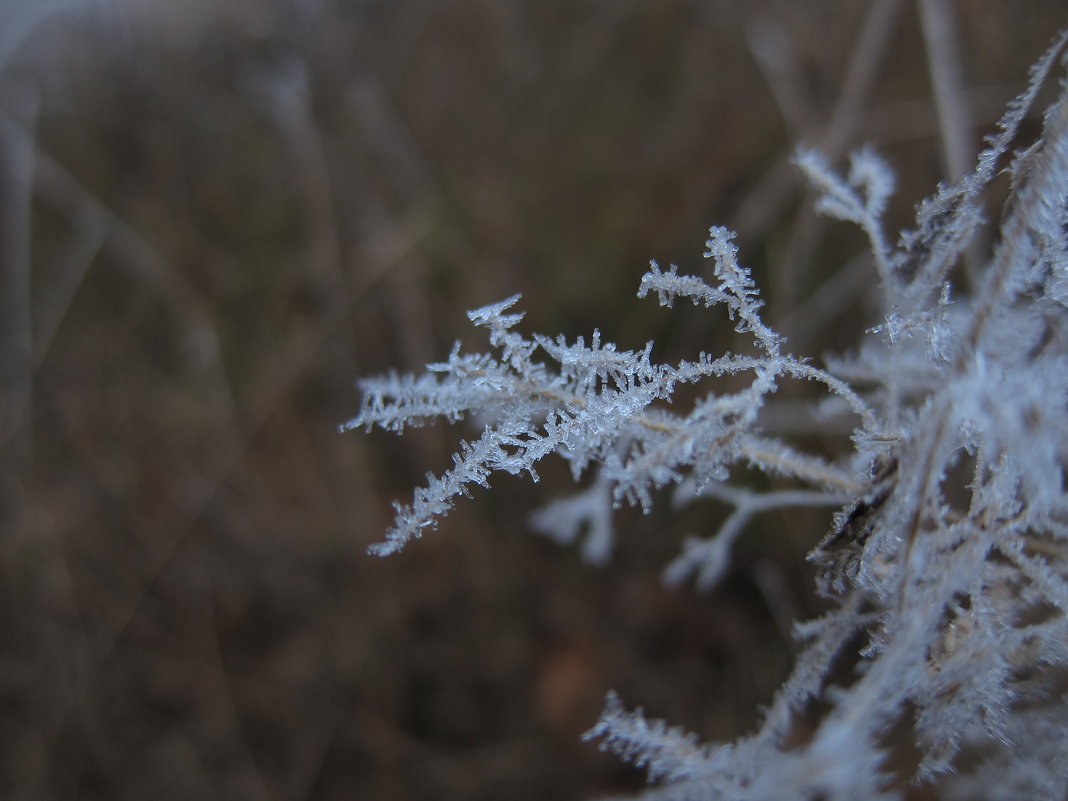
[[946, 561]]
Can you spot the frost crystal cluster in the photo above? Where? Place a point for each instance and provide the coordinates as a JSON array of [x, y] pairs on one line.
[[947, 561]]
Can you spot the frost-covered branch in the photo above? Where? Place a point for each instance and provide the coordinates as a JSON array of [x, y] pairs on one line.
[[942, 657], [598, 405]]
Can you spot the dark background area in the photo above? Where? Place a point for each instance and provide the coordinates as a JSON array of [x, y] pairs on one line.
[[214, 216]]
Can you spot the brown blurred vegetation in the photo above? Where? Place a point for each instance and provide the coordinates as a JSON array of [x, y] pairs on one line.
[[213, 219]]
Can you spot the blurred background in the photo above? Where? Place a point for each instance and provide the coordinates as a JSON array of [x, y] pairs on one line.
[[216, 214]]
